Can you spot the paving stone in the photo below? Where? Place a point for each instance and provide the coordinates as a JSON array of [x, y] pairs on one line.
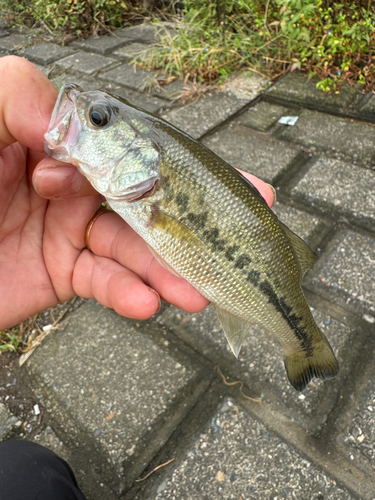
[[245, 85], [300, 89], [260, 364], [7, 421], [130, 77], [308, 227], [86, 63], [144, 33], [349, 189], [203, 115], [263, 116], [50, 440], [132, 51], [345, 272], [358, 438], [14, 43], [368, 109], [319, 131], [261, 156], [174, 90], [236, 457], [101, 45], [46, 53], [95, 379]]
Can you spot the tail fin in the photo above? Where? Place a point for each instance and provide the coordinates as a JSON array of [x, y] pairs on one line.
[[301, 368]]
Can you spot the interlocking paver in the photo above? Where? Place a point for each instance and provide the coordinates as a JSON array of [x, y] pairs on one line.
[[236, 456], [345, 272], [14, 43], [300, 89], [200, 117], [46, 53], [358, 438], [145, 33], [320, 131], [85, 63], [263, 116], [132, 50], [267, 158], [101, 45], [116, 407], [130, 77], [334, 184], [260, 363]]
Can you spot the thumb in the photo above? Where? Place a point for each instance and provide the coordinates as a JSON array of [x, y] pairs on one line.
[[55, 180]]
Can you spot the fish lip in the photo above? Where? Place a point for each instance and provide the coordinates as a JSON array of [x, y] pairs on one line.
[[136, 193], [61, 119]]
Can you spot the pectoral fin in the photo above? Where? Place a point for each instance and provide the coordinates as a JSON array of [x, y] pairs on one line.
[[235, 329]]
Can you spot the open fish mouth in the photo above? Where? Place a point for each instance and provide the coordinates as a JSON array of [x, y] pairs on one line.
[[64, 126]]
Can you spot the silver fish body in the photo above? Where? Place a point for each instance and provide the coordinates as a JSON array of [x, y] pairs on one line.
[[201, 218]]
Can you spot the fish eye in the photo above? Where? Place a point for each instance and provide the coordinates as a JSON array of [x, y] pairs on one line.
[[100, 115]]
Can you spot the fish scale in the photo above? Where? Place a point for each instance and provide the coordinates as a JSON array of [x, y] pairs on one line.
[[202, 219]]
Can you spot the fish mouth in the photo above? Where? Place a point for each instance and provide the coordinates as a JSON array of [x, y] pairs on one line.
[[135, 193], [64, 125]]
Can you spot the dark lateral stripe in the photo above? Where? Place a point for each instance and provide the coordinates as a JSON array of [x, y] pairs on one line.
[[292, 319]]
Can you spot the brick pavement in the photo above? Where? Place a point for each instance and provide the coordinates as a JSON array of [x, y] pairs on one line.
[[121, 397]]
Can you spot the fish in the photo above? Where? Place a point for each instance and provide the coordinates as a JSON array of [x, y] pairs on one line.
[[200, 217]]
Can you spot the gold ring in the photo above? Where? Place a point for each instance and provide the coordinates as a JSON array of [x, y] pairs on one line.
[[102, 210]]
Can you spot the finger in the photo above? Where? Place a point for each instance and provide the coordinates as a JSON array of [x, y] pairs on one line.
[[113, 286], [55, 180], [266, 190], [111, 237], [27, 99]]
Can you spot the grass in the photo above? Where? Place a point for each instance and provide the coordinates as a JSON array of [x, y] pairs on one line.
[[333, 40]]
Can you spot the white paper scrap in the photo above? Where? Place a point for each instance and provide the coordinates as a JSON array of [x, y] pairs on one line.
[[288, 120], [36, 410]]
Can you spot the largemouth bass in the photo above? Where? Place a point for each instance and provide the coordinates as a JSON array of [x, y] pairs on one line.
[[201, 218]]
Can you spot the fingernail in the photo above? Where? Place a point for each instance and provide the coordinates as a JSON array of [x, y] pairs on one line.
[[158, 296], [273, 192], [57, 182]]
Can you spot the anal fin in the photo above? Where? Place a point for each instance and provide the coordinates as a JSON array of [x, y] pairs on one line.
[[235, 329]]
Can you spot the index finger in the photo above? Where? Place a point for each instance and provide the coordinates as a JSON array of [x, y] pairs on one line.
[[27, 99]]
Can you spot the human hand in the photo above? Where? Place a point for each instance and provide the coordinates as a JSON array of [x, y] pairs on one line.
[[43, 258]]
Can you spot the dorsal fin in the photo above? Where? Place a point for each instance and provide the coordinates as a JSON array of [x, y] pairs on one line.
[[306, 257], [235, 329]]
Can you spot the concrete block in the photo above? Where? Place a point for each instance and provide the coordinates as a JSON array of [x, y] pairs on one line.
[[262, 156], [358, 435], [341, 186], [236, 457], [322, 132], [130, 77], [260, 363], [300, 89], [14, 43], [101, 45], [85, 63], [263, 116], [47, 53], [198, 118], [144, 33], [345, 272], [132, 50], [113, 390]]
